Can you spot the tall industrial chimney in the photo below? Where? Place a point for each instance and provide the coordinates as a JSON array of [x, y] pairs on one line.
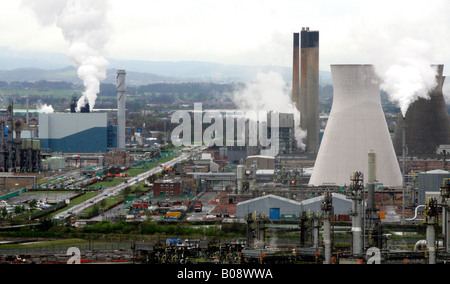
[[296, 72], [356, 125], [427, 123], [309, 101], [121, 108]]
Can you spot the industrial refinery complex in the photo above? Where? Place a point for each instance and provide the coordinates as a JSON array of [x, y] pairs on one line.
[[349, 191]]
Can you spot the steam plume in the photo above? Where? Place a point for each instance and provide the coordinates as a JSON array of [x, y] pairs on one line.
[[408, 73], [82, 23], [269, 92], [44, 108]]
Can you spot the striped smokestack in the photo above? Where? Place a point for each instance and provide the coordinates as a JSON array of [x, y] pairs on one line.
[[296, 72], [121, 108], [309, 100]]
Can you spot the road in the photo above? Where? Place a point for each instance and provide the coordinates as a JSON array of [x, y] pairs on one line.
[[105, 193], [207, 208]]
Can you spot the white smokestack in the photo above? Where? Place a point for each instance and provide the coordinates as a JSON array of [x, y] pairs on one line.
[[83, 25], [121, 108]]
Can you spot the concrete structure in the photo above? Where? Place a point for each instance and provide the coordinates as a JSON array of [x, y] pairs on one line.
[[274, 206], [296, 72], [356, 125], [309, 102], [427, 123], [74, 132], [121, 106]]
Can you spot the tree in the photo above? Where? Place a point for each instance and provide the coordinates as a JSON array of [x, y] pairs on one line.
[[17, 210], [33, 204], [127, 191], [4, 212]]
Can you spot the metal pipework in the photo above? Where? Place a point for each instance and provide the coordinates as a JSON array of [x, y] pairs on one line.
[[445, 194], [327, 212], [431, 215], [240, 177], [404, 149], [316, 231], [372, 176], [354, 193]]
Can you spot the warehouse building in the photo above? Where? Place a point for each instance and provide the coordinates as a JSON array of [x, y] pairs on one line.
[[276, 207]]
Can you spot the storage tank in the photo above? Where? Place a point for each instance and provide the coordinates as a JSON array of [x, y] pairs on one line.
[[431, 181], [356, 126]]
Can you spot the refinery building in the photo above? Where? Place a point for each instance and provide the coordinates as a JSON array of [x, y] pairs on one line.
[[76, 132], [85, 131]]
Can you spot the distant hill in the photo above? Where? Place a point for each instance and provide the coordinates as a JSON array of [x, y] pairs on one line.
[[36, 66]]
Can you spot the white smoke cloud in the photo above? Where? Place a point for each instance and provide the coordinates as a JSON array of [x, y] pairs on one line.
[[269, 92], [407, 72], [446, 90], [44, 108], [82, 23]]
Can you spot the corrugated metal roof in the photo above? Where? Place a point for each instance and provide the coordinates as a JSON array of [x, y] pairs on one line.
[[270, 196]]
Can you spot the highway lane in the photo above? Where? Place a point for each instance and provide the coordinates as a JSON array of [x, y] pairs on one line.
[[107, 192]]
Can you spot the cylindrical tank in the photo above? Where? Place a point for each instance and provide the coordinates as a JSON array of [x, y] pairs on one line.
[[356, 125], [427, 123]]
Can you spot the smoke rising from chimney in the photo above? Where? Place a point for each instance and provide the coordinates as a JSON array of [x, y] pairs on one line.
[[44, 108], [446, 90], [82, 23], [269, 92], [407, 73]]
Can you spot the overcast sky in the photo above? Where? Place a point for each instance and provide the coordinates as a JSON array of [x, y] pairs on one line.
[[248, 32]]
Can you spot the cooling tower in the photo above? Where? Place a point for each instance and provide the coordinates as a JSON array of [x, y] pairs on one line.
[[121, 109], [427, 123], [309, 97], [356, 126]]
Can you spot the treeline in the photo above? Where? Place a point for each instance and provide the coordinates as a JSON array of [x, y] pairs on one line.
[[39, 86], [172, 88], [48, 229], [110, 90]]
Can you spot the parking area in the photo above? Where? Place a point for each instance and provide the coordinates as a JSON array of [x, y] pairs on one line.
[[44, 197]]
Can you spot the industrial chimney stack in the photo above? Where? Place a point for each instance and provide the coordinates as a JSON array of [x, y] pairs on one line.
[[121, 108], [309, 96], [296, 73]]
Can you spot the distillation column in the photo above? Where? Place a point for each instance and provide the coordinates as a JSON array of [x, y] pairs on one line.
[[445, 194], [327, 214], [431, 215], [355, 194]]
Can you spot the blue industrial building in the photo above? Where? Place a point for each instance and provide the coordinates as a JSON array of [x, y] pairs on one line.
[[77, 132]]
